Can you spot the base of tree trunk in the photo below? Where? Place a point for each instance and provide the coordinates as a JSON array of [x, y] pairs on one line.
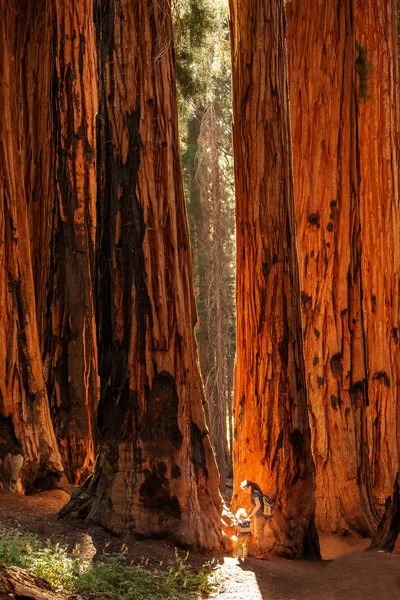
[[87, 503], [80, 503], [389, 527]]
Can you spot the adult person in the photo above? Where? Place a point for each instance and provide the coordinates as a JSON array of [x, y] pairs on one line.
[[260, 520]]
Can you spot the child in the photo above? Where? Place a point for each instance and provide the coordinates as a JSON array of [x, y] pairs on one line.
[[243, 533]]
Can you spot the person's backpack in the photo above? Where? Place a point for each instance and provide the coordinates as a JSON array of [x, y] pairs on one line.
[[243, 525], [267, 506]]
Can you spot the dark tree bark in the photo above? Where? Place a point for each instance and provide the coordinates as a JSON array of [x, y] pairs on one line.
[[59, 103], [28, 448], [69, 339], [389, 527], [322, 62], [272, 435], [155, 474]]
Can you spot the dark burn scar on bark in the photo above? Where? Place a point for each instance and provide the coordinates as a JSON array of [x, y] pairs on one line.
[[284, 351], [266, 270], [82, 49], [383, 376], [306, 302], [8, 441], [296, 438], [335, 401], [313, 219], [279, 446], [198, 450], [155, 492], [336, 365], [175, 472], [359, 393], [161, 400]]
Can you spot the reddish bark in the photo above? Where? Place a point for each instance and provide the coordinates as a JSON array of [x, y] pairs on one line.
[[322, 62], [156, 473], [59, 107], [28, 449], [378, 126], [69, 340], [272, 435]]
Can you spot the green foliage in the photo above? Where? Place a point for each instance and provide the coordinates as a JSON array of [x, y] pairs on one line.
[[28, 552], [137, 583], [363, 68], [200, 34], [205, 125], [111, 574], [16, 548]]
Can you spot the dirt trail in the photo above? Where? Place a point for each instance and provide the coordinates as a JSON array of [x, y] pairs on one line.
[[348, 571]]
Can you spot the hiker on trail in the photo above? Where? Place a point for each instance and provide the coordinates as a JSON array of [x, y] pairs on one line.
[[260, 520]]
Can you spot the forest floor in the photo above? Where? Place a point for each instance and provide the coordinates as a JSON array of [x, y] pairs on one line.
[[348, 571]]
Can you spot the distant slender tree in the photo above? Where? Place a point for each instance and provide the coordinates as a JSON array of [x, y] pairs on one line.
[[205, 102], [28, 448], [272, 435], [217, 286], [155, 473], [377, 65], [322, 67]]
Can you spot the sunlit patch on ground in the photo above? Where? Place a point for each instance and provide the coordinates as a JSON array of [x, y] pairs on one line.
[[239, 581]]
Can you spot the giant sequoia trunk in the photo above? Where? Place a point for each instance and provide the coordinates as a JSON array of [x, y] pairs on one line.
[[272, 435], [156, 473], [69, 337], [56, 49], [378, 84], [322, 63], [28, 448]]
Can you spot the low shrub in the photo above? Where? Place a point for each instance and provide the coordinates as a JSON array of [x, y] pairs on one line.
[[110, 574]]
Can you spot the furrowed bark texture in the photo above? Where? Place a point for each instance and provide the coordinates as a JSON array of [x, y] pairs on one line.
[[69, 344], [28, 448], [156, 474], [378, 81], [59, 106], [325, 144], [38, 147], [272, 436]]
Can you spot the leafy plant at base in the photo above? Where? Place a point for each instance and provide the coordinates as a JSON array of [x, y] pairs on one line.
[[110, 574]]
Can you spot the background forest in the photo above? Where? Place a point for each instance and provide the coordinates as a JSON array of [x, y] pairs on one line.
[[205, 124]]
